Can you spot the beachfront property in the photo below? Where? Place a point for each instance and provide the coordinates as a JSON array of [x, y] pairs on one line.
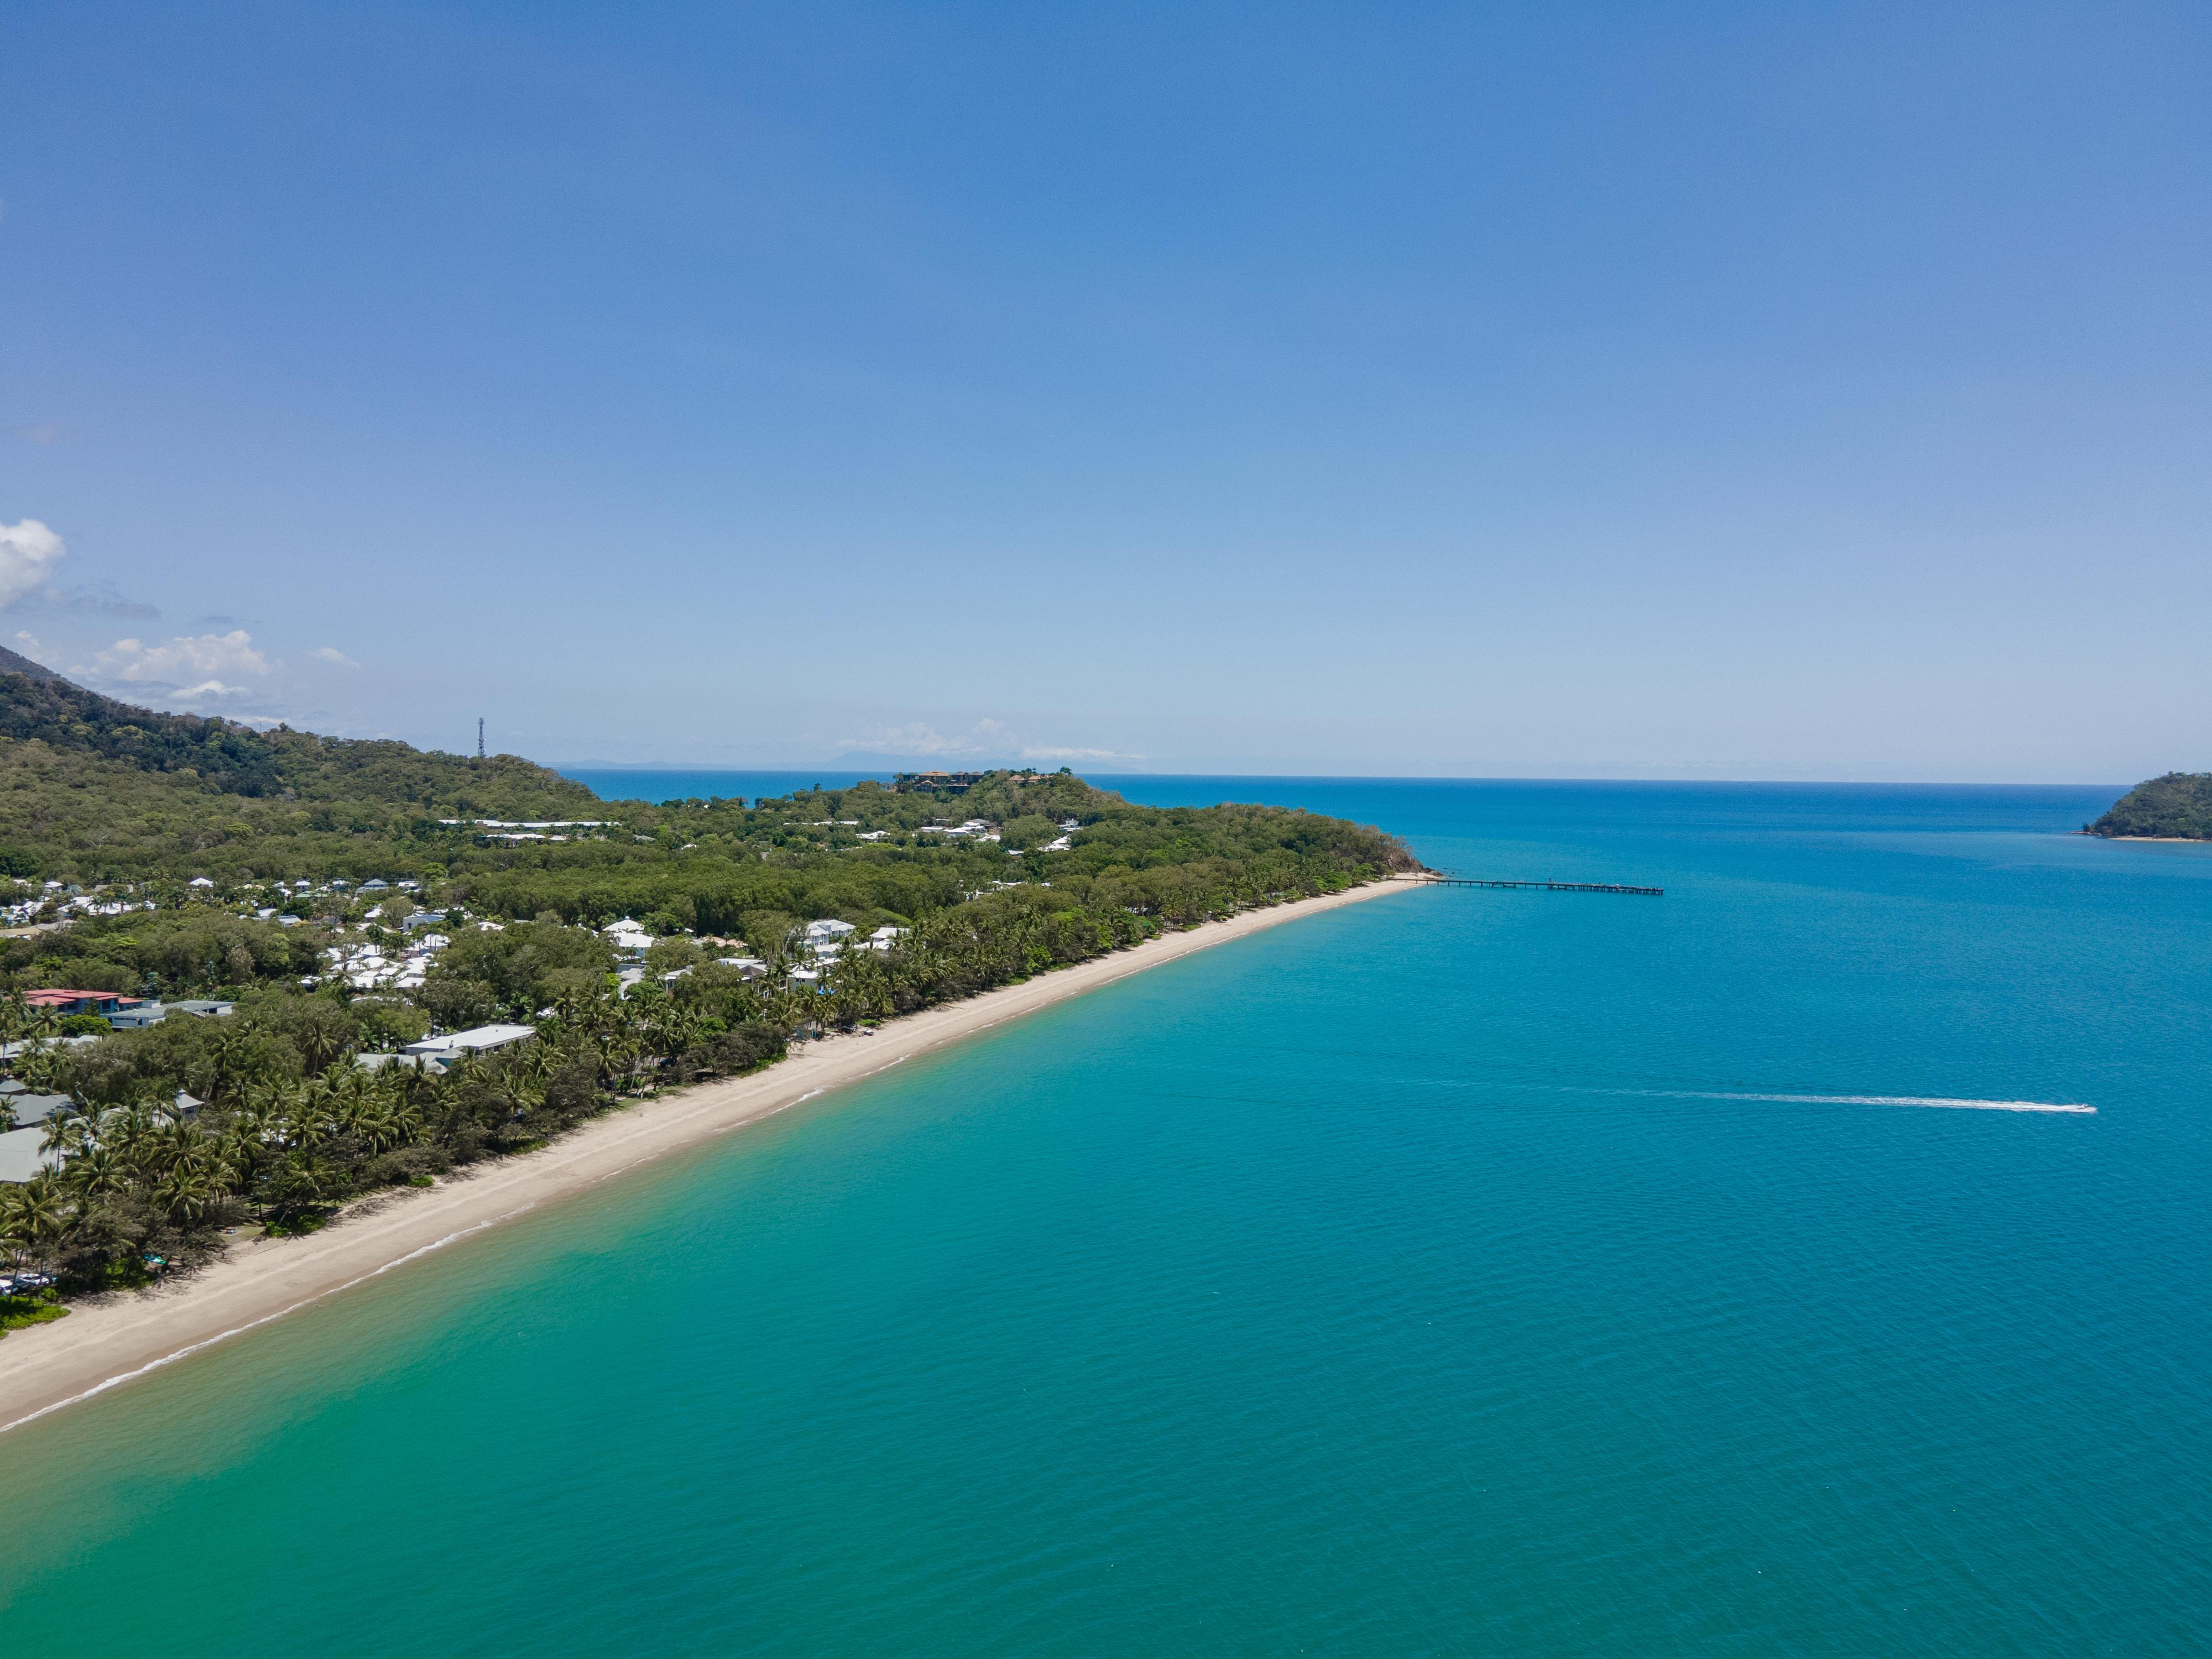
[[62, 1001], [477, 1040], [23, 1153], [24, 1156]]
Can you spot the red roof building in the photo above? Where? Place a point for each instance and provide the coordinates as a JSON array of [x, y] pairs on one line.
[[78, 1002]]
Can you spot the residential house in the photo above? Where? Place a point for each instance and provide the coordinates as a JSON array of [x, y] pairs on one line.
[[30, 1109], [23, 1156], [477, 1040]]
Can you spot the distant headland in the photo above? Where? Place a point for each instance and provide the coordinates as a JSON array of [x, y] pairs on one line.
[[2175, 807]]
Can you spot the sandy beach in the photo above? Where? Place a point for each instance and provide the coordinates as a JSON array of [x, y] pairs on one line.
[[103, 1344]]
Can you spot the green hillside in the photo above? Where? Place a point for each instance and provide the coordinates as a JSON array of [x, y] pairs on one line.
[[2178, 805], [91, 789]]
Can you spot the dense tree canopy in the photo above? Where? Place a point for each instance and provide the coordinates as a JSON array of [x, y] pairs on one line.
[[2179, 803]]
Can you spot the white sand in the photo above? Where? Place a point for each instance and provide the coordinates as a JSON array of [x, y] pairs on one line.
[[105, 1343]]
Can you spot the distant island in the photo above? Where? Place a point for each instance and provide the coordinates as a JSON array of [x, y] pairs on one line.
[[2176, 807], [248, 977]]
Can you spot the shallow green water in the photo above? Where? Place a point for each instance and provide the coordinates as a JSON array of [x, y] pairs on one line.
[[1396, 1282]]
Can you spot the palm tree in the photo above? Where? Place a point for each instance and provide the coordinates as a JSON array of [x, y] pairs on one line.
[[69, 1133], [299, 1181], [97, 1173], [39, 1214], [16, 1230], [185, 1194], [323, 1047]]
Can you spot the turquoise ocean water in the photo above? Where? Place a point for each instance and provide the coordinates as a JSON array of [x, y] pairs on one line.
[[1459, 1273]]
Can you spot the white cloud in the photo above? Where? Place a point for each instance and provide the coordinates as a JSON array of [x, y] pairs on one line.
[[916, 739], [28, 553], [1060, 754], [989, 737], [205, 656], [331, 654]]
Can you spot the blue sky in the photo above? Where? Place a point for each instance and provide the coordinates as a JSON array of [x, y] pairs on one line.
[[1759, 390]]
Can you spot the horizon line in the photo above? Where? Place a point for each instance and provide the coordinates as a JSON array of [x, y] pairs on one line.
[[566, 767]]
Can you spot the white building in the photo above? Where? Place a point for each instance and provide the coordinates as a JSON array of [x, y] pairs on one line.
[[629, 937], [477, 1040], [23, 1155]]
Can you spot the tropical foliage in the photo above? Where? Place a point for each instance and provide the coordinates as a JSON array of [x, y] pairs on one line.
[[192, 1127], [2178, 805]]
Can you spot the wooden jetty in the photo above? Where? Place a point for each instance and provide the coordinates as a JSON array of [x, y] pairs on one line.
[[1442, 879]]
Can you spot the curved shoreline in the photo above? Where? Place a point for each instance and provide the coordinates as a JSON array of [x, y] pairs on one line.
[[104, 1345]]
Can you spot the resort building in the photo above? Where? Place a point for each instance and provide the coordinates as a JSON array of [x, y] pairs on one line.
[[826, 936], [78, 1002], [477, 1040]]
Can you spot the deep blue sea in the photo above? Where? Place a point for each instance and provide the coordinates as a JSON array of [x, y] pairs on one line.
[[1461, 1273]]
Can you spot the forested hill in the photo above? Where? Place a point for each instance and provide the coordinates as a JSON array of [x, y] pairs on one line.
[[44, 707], [14, 662], [2178, 805], [92, 788], [95, 791]]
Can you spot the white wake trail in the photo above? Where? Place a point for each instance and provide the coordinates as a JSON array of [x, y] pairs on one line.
[[1951, 1102]]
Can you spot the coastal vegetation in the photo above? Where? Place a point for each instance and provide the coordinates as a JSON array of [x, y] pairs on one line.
[[257, 868], [2177, 806]]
